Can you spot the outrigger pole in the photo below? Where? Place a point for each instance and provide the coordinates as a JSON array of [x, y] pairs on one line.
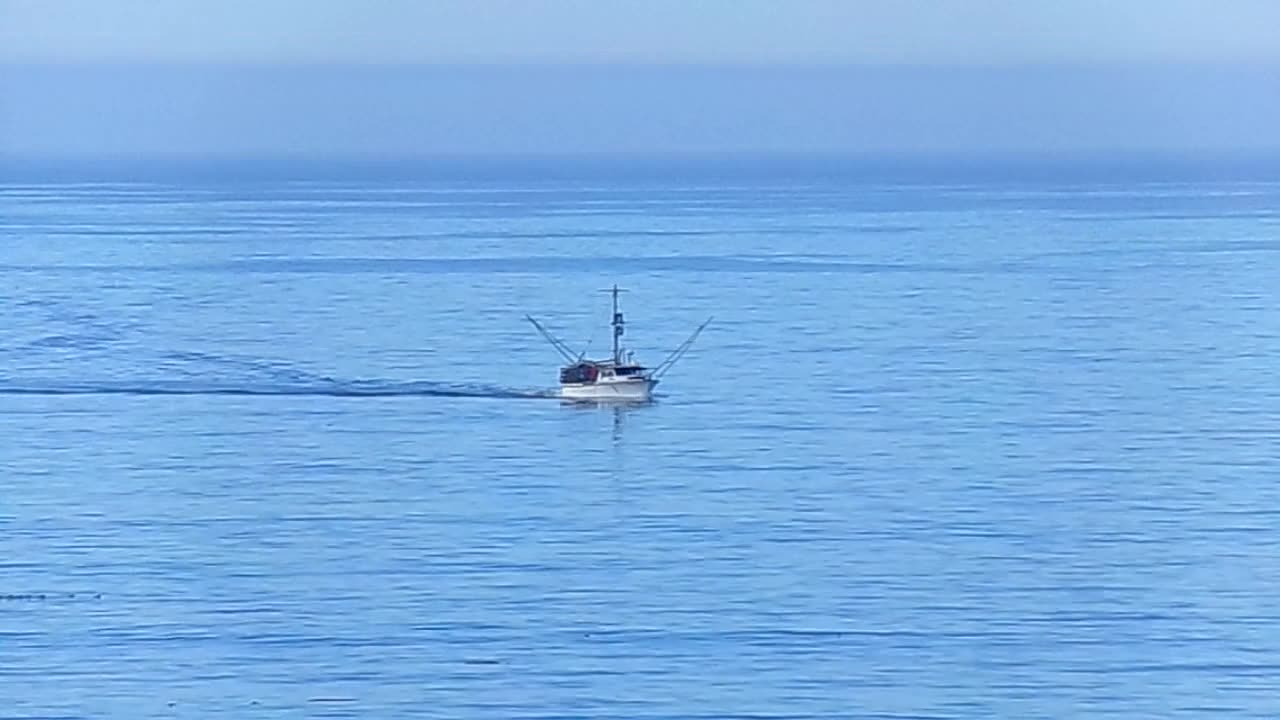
[[679, 352], [564, 350]]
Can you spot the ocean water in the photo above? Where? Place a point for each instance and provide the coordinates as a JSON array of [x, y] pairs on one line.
[[963, 441]]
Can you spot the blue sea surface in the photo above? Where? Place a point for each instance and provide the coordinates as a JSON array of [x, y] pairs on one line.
[[963, 441]]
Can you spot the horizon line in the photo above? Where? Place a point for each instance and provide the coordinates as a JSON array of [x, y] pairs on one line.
[[1096, 158], [1259, 63]]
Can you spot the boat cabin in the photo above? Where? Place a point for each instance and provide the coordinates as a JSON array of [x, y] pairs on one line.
[[590, 372]]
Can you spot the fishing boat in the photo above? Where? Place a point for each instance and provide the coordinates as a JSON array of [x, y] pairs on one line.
[[617, 378]]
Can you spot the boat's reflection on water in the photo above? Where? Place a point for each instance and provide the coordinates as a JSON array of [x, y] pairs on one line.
[[620, 405], [619, 409]]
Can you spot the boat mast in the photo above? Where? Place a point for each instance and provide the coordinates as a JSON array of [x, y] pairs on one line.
[[617, 329]]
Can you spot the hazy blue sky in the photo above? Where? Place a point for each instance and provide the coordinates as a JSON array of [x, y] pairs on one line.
[[402, 76], [763, 31]]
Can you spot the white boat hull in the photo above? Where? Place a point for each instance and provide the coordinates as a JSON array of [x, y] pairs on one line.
[[630, 389]]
